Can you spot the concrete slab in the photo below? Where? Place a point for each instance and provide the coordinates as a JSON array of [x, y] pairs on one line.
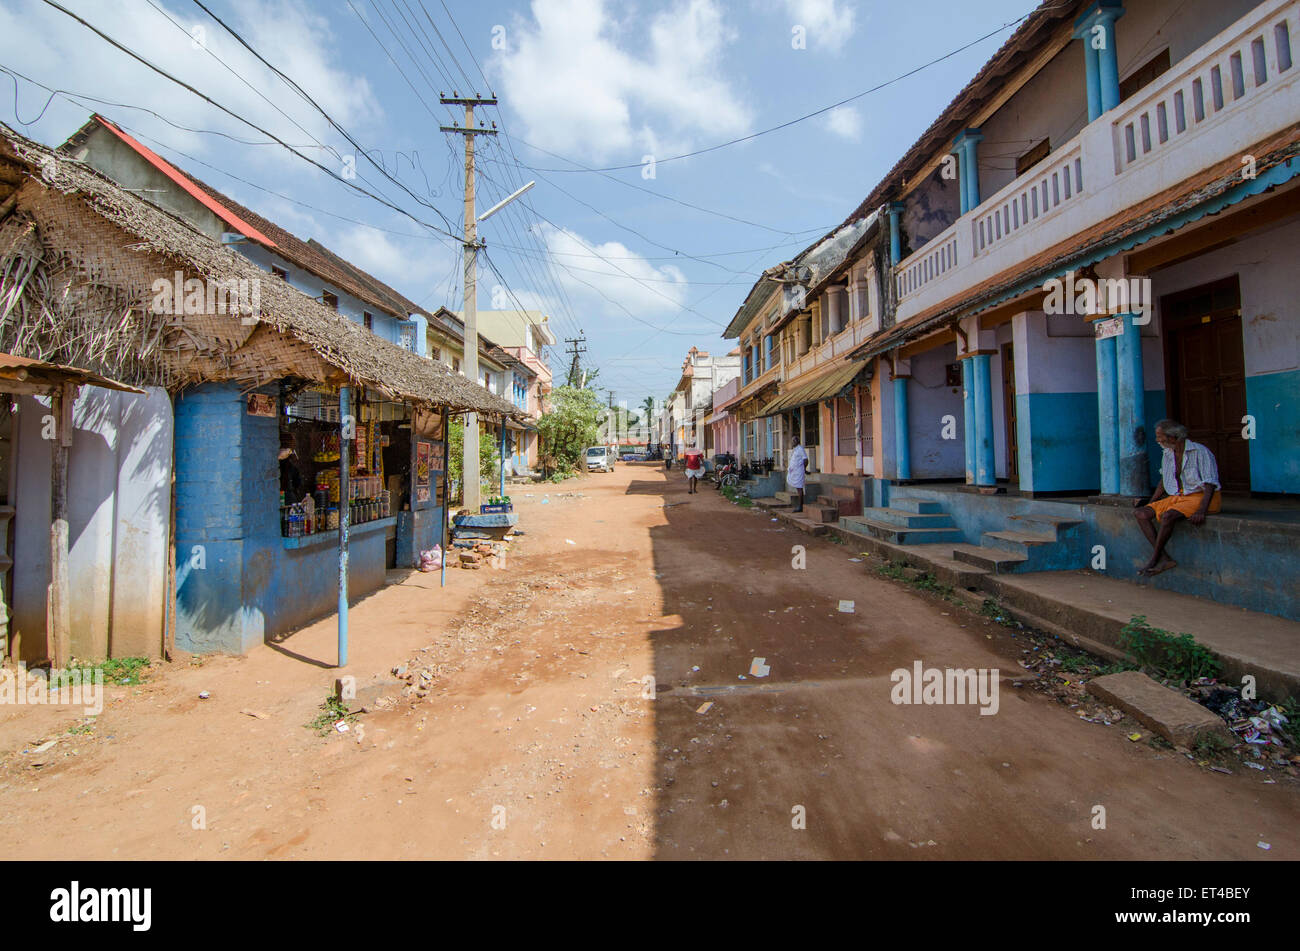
[[1179, 720], [1094, 607]]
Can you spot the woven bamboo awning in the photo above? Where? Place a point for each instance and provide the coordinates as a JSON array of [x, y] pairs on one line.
[[81, 259]]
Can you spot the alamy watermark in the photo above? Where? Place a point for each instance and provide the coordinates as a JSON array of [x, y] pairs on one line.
[[177, 296], [1090, 297], [83, 687], [952, 685]]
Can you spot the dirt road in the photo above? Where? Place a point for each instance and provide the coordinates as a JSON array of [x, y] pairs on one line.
[[544, 738]]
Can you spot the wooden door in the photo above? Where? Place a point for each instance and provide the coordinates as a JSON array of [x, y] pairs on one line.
[[1206, 374]]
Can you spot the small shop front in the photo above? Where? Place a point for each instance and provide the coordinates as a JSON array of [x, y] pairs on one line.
[[259, 526]]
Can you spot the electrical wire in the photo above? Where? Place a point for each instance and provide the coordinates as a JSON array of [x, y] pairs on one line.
[[208, 99]]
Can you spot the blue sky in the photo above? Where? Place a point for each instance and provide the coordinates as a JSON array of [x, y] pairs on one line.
[[602, 84]]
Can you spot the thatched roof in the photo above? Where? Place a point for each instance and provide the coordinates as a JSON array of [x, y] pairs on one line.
[[292, 335]]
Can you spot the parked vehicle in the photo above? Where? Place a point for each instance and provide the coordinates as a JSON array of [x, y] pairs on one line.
[[726, 471], [599, 457]]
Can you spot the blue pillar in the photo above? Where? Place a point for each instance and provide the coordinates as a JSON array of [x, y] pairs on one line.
[[968, 143], [968, 397], [1131, 410], [895, 233], [962, 194], [1107, 416], [902, 439], [1093, 80], [502, 490], [966, 146], [1096, 29], [985, 469]]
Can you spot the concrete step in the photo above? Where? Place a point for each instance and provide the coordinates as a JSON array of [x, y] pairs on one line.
[[772, 503], [897, 534], [843, 506], [1043, 524], [1018, 543], [827, 513], [906, 519], [804, 521], [916, 506], [993, 560]]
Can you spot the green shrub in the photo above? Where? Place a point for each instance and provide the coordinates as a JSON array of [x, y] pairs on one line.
[[1175, 655]]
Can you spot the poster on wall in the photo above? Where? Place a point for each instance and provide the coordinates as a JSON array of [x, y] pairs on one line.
[[437, 453], [261, 404], [422, 454]]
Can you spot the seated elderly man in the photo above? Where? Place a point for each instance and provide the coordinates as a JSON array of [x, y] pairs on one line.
[[1188, 489]]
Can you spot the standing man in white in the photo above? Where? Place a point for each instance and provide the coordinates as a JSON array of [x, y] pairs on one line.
[[796, 472]]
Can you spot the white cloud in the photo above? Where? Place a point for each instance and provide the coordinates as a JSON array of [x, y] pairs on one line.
[[579, 92], [829, 23], [57, 51], [409, 265], [846, 122], [594, 275]]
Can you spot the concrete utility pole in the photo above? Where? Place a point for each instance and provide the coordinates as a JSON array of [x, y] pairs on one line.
[[576, 350], [470, 494]]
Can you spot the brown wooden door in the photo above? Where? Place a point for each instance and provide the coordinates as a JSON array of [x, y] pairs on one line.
[[1206, 374], [1009, 411]]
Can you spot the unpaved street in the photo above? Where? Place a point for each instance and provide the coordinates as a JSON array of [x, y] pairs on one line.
[[538, 739]]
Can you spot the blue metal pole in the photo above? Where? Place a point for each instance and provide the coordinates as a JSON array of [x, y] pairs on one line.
[[444, 537], [985, 467], [502, 491], [968, 400], [902, 438], [345, 432], [1107, 416], [1131, 410]]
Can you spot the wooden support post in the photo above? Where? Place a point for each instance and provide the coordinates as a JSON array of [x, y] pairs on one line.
[[58, 626]]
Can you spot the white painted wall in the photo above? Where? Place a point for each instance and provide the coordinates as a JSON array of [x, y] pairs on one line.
[[1270, 312], [119, 498]]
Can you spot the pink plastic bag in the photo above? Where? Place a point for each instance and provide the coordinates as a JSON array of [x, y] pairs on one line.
[[431, 560]]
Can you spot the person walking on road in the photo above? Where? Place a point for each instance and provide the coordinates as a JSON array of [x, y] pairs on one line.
[[694, 460], [796, 472]]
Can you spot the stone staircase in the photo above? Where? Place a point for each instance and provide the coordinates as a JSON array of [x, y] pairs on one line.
[[1033, 543], [835, 501], [1037, 543], [904, 522]]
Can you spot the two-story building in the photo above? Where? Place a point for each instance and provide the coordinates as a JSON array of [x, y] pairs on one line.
[[702, 375], [1098, 232], [524, 335]]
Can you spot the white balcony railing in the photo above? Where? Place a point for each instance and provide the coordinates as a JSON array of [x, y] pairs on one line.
[[938, 256], [1030, 198], [1237, 89], [850, 338], [1227, 77]]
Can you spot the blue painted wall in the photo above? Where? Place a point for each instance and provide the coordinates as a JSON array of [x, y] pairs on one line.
[[1061, 453], [237, 582], [1224, 560], [1272, 398]]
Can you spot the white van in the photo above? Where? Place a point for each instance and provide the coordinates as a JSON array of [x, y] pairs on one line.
[[600, 457]]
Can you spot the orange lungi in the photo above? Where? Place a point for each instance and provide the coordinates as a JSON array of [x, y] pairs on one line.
[[1186, 504]]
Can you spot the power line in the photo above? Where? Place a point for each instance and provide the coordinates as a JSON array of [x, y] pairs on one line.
[[315, 105], [648, 191], [208, 99], [802, 118]]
